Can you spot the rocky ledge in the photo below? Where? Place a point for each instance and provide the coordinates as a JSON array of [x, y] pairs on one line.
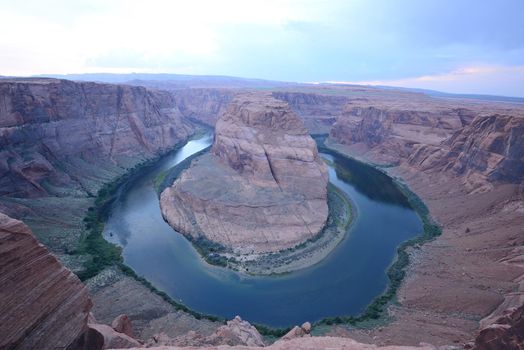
[[263, 186]]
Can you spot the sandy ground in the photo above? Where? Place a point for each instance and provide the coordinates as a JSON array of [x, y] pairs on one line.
[[473, 270], [114, 294]]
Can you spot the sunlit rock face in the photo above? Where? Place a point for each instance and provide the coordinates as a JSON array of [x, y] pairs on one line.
[[263, 186]]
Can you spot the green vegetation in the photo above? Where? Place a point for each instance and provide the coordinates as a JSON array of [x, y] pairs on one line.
[[396, 271], [167, 177], [199, 316], [210, 251], [104, 254], [270, 331]]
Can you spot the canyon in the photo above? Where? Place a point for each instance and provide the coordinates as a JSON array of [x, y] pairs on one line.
[[61, 141], [263, 188]]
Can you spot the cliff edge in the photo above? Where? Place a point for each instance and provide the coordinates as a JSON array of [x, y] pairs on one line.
[[262, 188]]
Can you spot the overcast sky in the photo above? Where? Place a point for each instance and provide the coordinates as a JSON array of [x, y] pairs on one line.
[[469, 46]]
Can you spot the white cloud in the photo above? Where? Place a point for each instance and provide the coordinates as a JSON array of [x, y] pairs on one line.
[[57, 37], [474, 79]]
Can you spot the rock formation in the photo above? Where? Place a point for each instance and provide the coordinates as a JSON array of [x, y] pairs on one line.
[[310, 343], [122, 324], [263, 187], [55, 133], [42, 304], [203, 105], [480, 149], [234, 332], [506, 333], [317, 110], [388, 135]]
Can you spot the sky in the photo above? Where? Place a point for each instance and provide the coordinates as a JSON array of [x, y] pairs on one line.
[[461, 46]]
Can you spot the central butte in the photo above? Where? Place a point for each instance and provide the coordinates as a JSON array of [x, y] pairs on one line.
[[263, 186]]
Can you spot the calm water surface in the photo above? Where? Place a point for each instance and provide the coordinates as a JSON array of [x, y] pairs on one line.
[[342, 284]]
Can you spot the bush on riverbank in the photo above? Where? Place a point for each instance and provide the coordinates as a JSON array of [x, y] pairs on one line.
[[396, 271]]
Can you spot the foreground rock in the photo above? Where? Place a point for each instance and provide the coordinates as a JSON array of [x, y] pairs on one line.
[[507, 332], [310, 343], [234, 332], [42, 305], [262, 188], [122, 324]]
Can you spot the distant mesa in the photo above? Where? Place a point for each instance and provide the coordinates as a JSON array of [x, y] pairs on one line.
[[263, 186]]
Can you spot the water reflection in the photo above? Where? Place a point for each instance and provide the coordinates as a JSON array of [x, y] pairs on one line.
[[343, 284]]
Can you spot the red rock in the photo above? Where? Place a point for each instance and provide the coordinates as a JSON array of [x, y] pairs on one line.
[[122, 324], [101, 337], [507, 333], [51, 128], [43, 305], [263, 188]]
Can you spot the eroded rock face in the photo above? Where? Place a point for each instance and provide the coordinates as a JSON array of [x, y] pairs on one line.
[[55, 133], [492, 146], [481, 149], [43, 305], [390, 135], [506, 333], [318, 111], [262, 188]]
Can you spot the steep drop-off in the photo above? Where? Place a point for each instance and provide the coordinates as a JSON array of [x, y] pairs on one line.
[[54, 133], [42, 304], [263, 187], [466, 164]]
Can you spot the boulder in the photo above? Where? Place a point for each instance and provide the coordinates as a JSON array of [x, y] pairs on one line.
[[122, 324]]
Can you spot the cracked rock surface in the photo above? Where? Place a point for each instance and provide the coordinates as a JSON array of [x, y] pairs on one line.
[[263, 186]]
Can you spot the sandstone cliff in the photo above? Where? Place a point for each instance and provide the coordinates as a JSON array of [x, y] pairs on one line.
[[54, 133], [42, 305], [317, 110], [262, 188], [466, 164], [481, 149], [202, 105], [388, 135]]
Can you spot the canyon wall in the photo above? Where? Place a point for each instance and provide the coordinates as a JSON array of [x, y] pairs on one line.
[[60, 141], [201, 104], [55, 133], [317, 110], [263, 187], [479, 148], [465, 161]]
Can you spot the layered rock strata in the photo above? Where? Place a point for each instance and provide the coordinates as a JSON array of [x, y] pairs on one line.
[[262, 188], [52, 132], [481, 149], [470, 177], [43, 305]]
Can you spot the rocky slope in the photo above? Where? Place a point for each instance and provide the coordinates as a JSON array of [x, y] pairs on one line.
[[42, 305], [262, 188], [60, 141], [389, 135], [480, 148], [466, 165]]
